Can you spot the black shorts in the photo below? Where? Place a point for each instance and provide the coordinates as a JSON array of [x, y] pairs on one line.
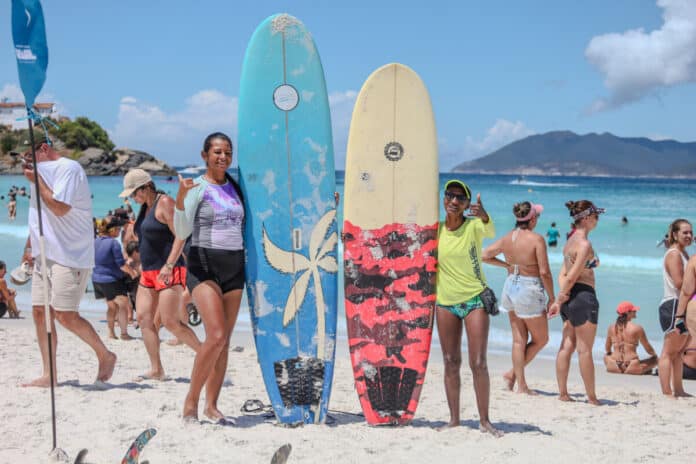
[[110, 290], [689, 373], [668, 311], [3, 308], [224, 267], [582, 306]]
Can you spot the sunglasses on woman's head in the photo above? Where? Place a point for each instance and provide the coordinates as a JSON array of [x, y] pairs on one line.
[[459, 196]]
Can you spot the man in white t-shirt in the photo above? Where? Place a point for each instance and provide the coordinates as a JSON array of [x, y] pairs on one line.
[[66, 210]]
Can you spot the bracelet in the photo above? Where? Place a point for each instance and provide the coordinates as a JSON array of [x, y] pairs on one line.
[[169, 266]]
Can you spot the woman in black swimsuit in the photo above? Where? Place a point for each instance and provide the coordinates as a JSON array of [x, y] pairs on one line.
[[579, 304]]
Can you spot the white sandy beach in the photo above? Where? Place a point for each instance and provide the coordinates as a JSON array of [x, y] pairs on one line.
[[636, 424]]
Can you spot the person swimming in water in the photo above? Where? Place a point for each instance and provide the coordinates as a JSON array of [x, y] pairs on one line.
[[552, 234], [623, 338]]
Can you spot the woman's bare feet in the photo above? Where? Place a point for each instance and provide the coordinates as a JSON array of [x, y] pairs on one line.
[[151, 375], [487, 427], [526, 390], [682, 394], [566, 397], [42, 382], [449, 425], [112, 335], [106, 367], [125, 336], [509, 378], [594, 400]]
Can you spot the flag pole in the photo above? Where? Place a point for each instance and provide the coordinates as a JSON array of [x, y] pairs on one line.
[[48, 316]]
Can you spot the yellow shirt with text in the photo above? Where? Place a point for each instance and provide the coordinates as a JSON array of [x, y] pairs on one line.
[[459, 268]]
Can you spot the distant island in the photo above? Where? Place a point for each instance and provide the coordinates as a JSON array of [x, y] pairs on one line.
[[565, 153], [84, 141]]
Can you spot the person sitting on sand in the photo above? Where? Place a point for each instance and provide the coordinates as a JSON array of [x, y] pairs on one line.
[[7, 295], [110, 273], [623, 338], [689, 360], [523, 294]]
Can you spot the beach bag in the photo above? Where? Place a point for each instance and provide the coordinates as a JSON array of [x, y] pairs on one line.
[[490, 301]]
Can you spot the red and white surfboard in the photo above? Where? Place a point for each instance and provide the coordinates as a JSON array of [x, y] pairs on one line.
[[390, 238]]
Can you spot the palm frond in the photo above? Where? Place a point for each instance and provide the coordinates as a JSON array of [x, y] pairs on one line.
[[319, 232], [328, 263], [283, 261], [296, 297]]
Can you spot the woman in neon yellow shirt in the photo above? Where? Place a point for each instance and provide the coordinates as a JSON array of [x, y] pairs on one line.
[[460, 282]]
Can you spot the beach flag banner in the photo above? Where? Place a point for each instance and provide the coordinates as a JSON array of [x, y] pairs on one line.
[[31, 49]]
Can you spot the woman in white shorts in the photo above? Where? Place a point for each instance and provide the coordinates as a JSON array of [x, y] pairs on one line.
[[528, 291]]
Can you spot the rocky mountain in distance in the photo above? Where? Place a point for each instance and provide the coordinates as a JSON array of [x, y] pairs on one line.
[[604, 155]]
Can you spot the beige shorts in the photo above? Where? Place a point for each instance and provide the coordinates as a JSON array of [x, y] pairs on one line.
[[66, 285]]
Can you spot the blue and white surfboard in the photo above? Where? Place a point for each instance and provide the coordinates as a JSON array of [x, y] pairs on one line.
[[286, 169]]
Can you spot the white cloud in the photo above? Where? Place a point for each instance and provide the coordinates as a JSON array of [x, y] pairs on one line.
[[500, 134], [12, 92], [636, 63], [177, 136]]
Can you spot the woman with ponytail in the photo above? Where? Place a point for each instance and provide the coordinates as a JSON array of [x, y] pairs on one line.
[[527, 295], [578, 300], [670, 365], [623, 338]]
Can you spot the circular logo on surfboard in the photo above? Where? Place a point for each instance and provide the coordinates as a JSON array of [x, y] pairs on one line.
[[394, 151], [285, 97]]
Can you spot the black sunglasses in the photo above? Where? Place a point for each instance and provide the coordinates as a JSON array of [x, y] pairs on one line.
[[459, 196], [135, 192]]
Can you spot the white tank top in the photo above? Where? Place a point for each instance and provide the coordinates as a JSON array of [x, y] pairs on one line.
[[670, 292]]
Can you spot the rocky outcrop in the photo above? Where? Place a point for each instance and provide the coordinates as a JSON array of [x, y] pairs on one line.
[[97, 162]]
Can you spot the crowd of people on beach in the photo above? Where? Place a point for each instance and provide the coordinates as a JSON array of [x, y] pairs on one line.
[[181, 256]]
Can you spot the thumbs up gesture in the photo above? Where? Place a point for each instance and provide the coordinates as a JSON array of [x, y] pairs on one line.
[[477, 210]]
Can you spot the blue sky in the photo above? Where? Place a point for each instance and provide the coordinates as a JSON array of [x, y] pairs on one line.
[[161, 75]]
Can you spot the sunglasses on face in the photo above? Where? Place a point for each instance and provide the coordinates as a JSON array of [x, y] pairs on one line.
[[459, 196], [135, 192]]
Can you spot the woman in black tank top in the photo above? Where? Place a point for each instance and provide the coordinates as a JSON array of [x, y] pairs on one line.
[[164, 274]]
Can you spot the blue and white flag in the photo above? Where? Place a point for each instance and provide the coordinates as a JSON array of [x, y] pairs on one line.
[[29, 35]]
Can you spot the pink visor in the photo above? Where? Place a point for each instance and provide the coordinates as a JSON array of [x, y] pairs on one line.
[[536, 210]]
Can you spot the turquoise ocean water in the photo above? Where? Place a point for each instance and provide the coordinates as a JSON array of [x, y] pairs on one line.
[[631, 264]]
